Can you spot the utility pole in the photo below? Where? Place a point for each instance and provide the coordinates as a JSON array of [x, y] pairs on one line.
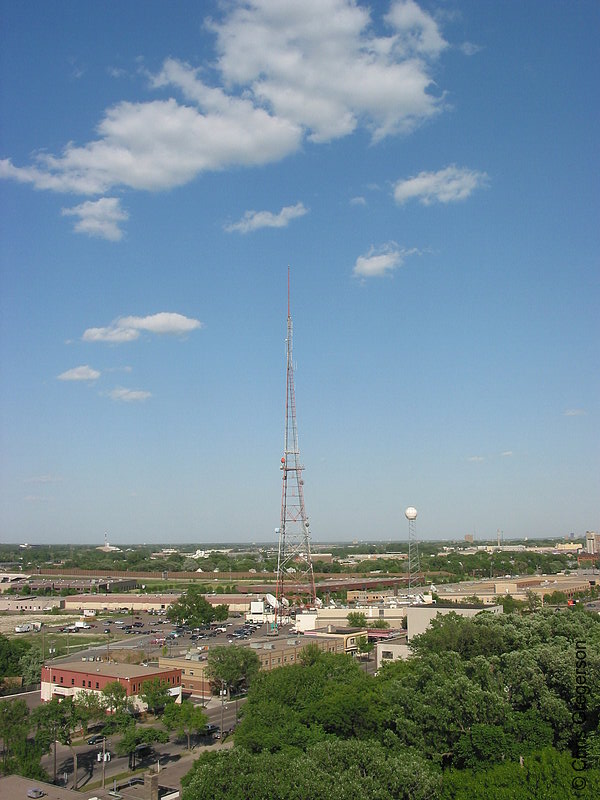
[[103, 761]]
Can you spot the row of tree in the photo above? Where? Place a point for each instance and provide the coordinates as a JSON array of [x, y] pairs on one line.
[[27, 736], [486, 707]]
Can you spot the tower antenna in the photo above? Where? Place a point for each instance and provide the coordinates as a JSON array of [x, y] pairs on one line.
[[295, 577]]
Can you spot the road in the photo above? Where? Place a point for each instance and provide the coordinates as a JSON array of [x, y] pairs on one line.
[[169, 755]]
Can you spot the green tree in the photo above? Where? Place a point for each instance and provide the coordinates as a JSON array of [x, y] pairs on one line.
[[232, 667], [14, 727], [30, 665], [364, 647], [11, 652], [332, 770], [192, 609], [155, 693], [185, 718], [356, 619]]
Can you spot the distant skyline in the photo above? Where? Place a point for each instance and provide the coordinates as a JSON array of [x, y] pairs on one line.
[[429, 171]]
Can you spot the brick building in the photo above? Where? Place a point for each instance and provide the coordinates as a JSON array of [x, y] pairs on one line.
[[68, 679]]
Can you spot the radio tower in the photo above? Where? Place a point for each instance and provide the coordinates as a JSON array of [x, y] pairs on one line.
[[294, 537]]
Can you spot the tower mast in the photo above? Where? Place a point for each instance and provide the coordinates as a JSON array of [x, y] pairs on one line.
[[294, 536]]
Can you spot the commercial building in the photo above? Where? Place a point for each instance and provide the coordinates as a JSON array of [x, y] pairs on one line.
[[272, 653], [69, 679], [592, 543]]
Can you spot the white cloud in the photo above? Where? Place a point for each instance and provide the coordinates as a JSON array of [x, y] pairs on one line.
[[358, 201], [99, 218], [253, 220], [470, 49], [506, 453], [129, 395], [575, 412], [319, 65], [417, 31], [127, 329], [446, 186], [43, 479], [476, 459], [284, 71], [381, 261], [83, 373]]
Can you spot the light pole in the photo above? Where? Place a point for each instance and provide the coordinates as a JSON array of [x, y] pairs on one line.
[[222, 707]]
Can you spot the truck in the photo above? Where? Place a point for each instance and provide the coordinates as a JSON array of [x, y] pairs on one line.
[[28, 627]]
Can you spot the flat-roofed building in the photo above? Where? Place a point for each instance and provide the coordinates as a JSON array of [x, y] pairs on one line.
[[272, 653], [69, 679]]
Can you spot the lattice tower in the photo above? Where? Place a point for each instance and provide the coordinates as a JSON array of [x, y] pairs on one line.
[[294, 535]]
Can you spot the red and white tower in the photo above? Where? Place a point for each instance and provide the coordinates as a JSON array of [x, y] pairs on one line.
[[295, 578]]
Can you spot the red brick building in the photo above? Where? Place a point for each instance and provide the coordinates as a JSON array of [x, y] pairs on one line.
[[71, 678]]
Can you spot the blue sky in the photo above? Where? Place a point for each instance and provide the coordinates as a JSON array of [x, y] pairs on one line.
[[430, 173]]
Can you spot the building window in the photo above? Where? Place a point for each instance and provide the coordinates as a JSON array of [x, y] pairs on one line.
[[72, 681], [387, 654], [61, 678], [97, 685], [89, 684]]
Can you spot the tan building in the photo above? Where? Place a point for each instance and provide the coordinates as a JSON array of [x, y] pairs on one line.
[[272, 653], [347, 636]]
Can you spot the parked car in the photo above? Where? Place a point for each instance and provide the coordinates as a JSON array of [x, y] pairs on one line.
[[95, 739]]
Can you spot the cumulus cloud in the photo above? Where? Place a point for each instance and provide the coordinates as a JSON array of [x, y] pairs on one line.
[[83, 373], [99, 218], [358, 201], [127, 329], [575, 412], [253, 220], [381, 261], [284, 72], [446, 186], [129, 395]]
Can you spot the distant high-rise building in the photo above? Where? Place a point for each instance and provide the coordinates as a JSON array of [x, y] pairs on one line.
[[469, 538], [592, 543]]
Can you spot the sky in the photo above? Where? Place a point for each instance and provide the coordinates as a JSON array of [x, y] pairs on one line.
[[429, 172]]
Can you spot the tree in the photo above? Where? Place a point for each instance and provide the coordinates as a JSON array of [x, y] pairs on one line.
[[380, 624], [309, 654], [14, 726], [356, 619], [11, 652], [331, 770], [132, 738], [155, 693], [364, 647], [233, 667], [185, 718], [193, 609], [30, 665]]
